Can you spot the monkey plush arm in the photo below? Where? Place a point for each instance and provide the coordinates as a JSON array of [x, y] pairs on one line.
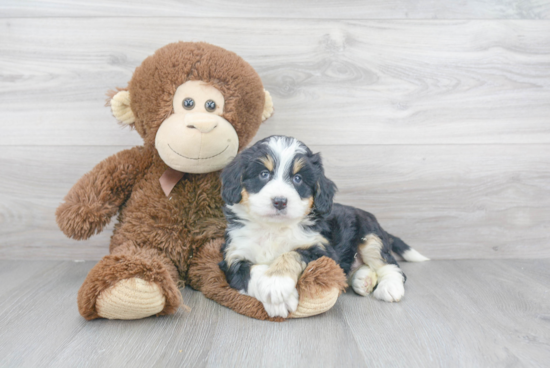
[[98, 195]]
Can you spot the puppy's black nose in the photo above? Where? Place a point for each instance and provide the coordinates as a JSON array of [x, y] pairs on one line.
[[279, 203]]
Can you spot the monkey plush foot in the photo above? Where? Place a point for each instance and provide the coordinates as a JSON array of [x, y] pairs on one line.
[[130, 299], [319, 286], [131, 283]]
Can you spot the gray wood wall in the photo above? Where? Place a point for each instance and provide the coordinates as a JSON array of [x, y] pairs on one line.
[[433, 115]]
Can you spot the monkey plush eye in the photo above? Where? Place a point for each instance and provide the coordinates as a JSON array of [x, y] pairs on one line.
[[297, 179], [188, 103], [265, 175], [210, 105]]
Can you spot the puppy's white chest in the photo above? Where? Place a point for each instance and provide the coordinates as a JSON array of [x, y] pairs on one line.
[[271, 245], [262, 245]]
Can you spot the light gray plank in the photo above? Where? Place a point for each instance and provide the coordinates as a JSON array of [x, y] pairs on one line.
[[41, 315], [183, 339], [14, 273], [469, 313], [449, 202], [333, 82], [412, 333], [325, 9], [463, 314], [320, 341], [536, 270]]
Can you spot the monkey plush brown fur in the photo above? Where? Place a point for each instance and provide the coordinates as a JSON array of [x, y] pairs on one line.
[[195, 106]]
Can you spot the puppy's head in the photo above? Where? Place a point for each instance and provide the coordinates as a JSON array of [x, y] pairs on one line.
[[278, 180]]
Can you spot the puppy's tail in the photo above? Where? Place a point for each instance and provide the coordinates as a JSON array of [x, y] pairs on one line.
[[404, 250]]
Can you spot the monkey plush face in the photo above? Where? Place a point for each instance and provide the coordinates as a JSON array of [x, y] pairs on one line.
[[198, 104], [196, 138]]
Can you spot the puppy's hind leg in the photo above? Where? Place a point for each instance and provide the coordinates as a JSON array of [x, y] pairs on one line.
[[363, 280], [391, 279]]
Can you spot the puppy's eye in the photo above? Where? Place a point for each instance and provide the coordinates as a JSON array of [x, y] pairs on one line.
[[210, 105], [297, 179], [265, 175], [188, 103]]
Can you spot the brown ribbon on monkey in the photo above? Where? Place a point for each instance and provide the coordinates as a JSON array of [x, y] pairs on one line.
[[169, 179]]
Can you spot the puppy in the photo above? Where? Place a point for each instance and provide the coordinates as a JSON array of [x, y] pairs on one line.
[[281, 216]]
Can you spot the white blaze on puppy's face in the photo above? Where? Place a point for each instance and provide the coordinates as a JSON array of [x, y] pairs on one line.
[[284, 151], [260, 204]]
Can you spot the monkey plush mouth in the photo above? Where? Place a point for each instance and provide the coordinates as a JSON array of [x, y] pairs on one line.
[[199, 158]]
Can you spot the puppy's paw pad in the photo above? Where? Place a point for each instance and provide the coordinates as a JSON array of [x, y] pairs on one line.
[[389, 291], [364, 281]]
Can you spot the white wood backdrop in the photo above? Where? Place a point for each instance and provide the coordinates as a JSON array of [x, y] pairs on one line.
[[433, 115]]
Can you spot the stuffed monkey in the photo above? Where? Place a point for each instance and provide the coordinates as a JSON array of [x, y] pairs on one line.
[[196, 106]]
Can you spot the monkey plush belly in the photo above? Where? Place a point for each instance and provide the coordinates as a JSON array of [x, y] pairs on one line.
[[177, 224]]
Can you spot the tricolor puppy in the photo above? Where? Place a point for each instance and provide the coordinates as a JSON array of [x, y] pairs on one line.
[[281, 216]]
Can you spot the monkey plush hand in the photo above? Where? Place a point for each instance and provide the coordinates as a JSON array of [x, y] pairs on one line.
[[195, 106]]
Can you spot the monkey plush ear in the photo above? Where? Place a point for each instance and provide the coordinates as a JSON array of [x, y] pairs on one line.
[[120, 106], [268, 107]]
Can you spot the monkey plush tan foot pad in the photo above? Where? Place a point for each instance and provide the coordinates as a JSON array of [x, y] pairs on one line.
[[133, 283], [130, 299], [311, 305]]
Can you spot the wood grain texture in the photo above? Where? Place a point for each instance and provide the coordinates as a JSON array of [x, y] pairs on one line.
[[468, 309], [333, 82], [452, 201], [449, 202], [469, 313], [39, 179], [323, 9]]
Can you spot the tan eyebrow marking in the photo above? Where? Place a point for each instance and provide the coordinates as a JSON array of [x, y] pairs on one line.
[[268, 162], [298, 165], [244, 197]]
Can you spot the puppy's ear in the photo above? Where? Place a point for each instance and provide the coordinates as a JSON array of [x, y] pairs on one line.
[[232, 184], [324, 190]]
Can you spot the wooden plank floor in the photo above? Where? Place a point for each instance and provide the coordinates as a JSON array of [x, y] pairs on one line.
[[467, 313]]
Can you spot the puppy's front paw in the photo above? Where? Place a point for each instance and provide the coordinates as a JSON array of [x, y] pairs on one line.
[[276, 289], [292, 301], [278, 294], [289, 305]]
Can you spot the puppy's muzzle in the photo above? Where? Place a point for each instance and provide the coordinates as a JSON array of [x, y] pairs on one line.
[[279, 203]]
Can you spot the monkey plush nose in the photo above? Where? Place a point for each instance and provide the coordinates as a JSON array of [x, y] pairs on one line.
[[279, 203], [204, 123]]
